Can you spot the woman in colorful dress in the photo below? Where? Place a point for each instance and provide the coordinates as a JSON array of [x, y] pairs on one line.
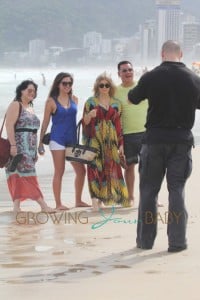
[[102, 128], [61, 109], [22, 125]]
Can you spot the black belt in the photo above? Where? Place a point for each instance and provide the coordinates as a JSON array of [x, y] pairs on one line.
[[26, 129]]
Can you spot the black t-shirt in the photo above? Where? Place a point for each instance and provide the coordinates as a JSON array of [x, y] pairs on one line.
[[173, 93]]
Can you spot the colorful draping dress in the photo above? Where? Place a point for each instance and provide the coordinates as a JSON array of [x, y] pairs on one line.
[[22, 183], [105, 177]]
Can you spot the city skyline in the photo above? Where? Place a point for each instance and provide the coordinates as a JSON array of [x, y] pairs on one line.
[[168, 22]]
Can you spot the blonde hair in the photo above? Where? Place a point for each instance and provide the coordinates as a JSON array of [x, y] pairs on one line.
[[104, 76]]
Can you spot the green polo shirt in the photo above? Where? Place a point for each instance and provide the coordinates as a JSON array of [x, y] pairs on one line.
[[133, 116]]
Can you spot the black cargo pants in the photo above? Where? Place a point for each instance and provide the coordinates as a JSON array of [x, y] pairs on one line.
[[156, 161]]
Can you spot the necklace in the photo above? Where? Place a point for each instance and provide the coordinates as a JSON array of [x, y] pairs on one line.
[[64, 103], [105, 103], [27, 107], [106, 106]]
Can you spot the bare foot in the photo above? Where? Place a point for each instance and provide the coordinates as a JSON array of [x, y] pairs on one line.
[[62, 207], [131, 202], [16, 206], [97, 204], [82, 204], [48, 210], [17, 210], [101, 204]]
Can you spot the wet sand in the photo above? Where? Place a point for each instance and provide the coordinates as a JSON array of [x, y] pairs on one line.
[[74, 255]]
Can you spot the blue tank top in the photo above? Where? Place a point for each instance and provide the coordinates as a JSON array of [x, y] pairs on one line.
[[63, 129]]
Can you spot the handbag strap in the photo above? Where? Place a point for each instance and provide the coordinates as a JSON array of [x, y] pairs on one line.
[[2, 125], [78, 128], [20, 110]]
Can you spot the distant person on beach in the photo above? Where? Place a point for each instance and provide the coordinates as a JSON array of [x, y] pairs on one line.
[[43, 79], [133, 120], [61, 109], [145, 70], [173, 93], [102, 127], [22, 125]]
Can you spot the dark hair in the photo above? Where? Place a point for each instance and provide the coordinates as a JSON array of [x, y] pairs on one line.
[[23, 86], [54, 92], [123, 62]]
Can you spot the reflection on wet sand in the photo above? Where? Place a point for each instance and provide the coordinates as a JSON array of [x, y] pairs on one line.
[[32, 253]]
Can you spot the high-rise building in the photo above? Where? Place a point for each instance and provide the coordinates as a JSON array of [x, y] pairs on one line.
[[92, 41], [36, 48], [148, 41], [168, 21], [191, 36]]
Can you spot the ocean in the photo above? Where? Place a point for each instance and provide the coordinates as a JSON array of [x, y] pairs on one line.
[[83, 83], [84, 79]]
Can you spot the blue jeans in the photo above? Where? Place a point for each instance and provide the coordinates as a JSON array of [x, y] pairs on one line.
[[156, 161]]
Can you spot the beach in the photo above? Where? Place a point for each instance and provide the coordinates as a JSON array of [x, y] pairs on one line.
[[87, 255]]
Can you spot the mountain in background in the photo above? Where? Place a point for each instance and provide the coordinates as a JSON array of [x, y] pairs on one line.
[[64, 22]]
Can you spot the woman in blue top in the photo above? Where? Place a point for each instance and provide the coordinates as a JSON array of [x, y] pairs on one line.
[[61, 108]]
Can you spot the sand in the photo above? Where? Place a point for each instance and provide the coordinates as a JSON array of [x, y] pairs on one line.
[[77, 257]]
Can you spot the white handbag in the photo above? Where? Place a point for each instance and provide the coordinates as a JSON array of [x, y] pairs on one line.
[[80, 153]]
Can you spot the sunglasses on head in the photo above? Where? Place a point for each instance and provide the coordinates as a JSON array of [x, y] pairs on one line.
[[127, 70], [102, 85], [67, 83]]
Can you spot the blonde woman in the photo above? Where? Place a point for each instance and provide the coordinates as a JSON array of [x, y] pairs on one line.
[[102, 127]]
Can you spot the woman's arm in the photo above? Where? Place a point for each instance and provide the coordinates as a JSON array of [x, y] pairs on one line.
[[50, 107], [89, 112], [75, 99], [12, 115], [118, 128], [88, 116]]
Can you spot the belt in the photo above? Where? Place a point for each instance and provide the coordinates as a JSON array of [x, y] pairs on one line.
[[26, 129]]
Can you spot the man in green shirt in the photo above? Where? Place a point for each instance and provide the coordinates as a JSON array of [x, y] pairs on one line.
[[133, 121]]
